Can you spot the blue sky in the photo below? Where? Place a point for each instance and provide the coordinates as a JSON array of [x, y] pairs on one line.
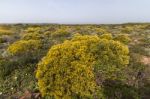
[[74, 11]]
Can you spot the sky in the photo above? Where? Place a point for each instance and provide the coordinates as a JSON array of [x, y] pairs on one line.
[[74, 11]]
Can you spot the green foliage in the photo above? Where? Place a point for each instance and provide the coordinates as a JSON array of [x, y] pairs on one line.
[[140, 50], [119, 90], [145, 90], [6, 68], [19, 81], [2, 40]]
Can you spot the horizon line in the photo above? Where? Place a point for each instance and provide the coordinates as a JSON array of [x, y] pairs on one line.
[[74, 23]]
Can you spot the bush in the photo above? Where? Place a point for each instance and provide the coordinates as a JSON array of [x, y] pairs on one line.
[[60, 33], [106, 36], [67, 69], [33, 36], [100, 31], [24, 47], [25, 51], [122, 38]]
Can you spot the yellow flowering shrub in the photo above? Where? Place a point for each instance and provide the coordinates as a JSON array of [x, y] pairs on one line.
[[100, 31], [60, 33], [24, 46], [33, 36], [127, 29], [122, 38], [69, 69], [106, 36], [33, 30]]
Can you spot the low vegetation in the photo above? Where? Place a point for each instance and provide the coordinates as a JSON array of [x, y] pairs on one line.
[[75, 61]]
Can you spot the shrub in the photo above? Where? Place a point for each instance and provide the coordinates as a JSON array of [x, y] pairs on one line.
[[100, 31], [127, 29], [25, 51], [122, 38], [106, 36], [24, 46], [32, 36], [60, 33], [33, 30], [67, 69]]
